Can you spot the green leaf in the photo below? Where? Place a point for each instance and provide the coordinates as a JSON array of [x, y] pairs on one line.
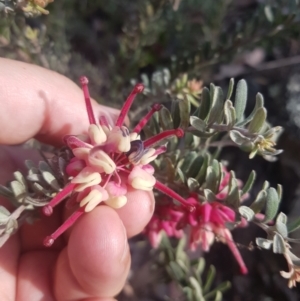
[[216, 108], [281, 218], [197, 289], [294, 225], [193, 184], [4, 215], [165, 119], [209, 195], [176, 271], [187, 161], [230, 88], [4, 191], [185, 112], [278, 244], [259, 103], [198, 123], [209, 279], [212, 177], [264, 243], [202, 172], [18, 190], [233, 197], [195, 167], [249, 182], [247, 213], [269, 13], [258, 121], [259, 202], [240, 99], [180, 174], [281, 228], [272, 204], [200, 266], [229, 113], [219, 296], [175, 113], [20, 178], [238, 138], [203, 109]]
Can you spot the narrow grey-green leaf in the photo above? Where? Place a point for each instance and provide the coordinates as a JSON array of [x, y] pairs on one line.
[[259, 202], [197, 289], [203, 109], [272, 204], [240, 99], [211, 179], [165, 119], [209, 195], [20, 178], [216, 106], [176, 271], [209, 279], [202, 172], [281, 218], [259, 103], [200, 266], [246, 212], [249, 182], [264, 243], [50, 179], [258, 121], [180, 174], [279, 191], [4, 215], [281, 228], [293, 225], [185, 112], [233, 197], [193, 184], [230, 88], [4, 191], [18, 190], [219, 296], [238, 138], [187, 161], [229, 112], [269, 13], [198, 123], [278, 244], [266, 185], [195, 167]]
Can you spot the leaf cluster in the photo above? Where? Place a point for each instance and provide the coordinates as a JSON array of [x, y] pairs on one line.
[[193, 279]]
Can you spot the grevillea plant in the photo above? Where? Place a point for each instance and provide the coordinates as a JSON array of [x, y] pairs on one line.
[[172, 152]]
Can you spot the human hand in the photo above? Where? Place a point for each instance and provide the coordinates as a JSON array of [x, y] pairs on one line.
[[92, 261]]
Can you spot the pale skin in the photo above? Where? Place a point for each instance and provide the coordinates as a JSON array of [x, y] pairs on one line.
[[92, 261]]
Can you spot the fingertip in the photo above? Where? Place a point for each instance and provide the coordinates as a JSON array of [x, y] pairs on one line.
[[98, 252], [138, 211]]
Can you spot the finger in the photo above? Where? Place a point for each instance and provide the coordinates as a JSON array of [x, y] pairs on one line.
[[35, 276], [97, 258], [42, 103], [9, 254], [138, 211]]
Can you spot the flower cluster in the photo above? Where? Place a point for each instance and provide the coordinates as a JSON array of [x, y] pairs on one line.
[[106, 161], [207, 222]]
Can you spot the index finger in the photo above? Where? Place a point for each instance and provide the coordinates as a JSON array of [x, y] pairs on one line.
[[36, 102]]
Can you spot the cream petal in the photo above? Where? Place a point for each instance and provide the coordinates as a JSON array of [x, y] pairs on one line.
[[117, 202], [96, 134], [91, 200]]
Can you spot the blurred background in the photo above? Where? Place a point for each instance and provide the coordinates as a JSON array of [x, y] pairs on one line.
[[117, 42]]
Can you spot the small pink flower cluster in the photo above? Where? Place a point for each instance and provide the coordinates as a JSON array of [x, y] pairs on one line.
[[205, 223], [108, 160]]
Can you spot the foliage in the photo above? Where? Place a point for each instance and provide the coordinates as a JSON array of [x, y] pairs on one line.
[[167, 45]]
